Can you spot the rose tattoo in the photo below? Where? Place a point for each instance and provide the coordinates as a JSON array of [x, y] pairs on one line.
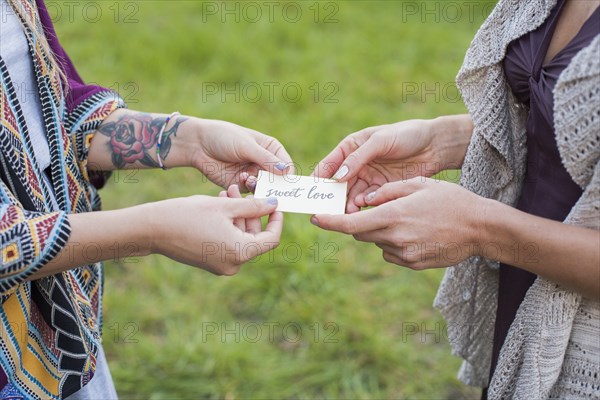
[[134, 137]]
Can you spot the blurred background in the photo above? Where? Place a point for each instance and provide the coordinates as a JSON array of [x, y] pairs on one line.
[[322, 316]]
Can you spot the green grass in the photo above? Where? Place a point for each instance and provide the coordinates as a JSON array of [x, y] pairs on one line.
[[159, 315]]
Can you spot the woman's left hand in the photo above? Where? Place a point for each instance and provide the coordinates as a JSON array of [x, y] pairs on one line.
[[228, 153], [419, 223]]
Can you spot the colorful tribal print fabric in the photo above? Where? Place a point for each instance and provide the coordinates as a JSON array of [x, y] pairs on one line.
[[49, 328]]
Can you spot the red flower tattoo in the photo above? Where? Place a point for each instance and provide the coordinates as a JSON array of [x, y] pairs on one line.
[[133, 137]]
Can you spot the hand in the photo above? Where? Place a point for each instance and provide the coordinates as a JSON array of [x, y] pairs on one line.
[[228, 154], [200, 231], [419, 223], [375, 156]]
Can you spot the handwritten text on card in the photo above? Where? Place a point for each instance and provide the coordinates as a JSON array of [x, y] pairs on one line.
[[303, 194]]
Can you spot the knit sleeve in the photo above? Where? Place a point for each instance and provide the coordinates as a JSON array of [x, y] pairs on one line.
[[28, 240], [586, 210], [83, 122]]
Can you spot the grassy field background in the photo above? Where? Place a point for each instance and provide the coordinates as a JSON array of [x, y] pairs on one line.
[[322, 316]]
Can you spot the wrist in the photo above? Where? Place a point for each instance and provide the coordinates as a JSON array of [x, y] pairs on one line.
[[183, 142], [484, 226], [144, 227], [451, 136], [199, 132]]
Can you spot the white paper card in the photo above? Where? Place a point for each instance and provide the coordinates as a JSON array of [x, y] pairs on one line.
[[303, 194]]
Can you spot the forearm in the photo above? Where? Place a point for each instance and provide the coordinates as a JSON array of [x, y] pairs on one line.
[[452, 135], [101, 236], [561, 253], [128, 139]]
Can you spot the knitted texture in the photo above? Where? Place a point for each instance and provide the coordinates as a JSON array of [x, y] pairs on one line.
[[553, 346]]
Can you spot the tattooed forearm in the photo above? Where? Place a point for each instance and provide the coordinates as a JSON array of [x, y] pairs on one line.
[[133, 138]]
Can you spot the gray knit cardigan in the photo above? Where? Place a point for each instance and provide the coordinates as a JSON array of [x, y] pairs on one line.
[[553, 347]]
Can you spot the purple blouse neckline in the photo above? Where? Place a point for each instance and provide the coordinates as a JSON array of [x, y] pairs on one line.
[[524, 65]]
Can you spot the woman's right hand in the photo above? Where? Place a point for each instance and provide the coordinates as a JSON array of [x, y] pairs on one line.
[[374, 156], [204, 231]]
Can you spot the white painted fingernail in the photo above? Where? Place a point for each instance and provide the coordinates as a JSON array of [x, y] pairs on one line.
[[280, 166], [342, 172], [370, 197]]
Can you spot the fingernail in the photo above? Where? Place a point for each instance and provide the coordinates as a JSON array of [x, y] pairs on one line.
[[314, 220], [342, 172], [251, 184], [370, 196], [272, 201], [280, 166]]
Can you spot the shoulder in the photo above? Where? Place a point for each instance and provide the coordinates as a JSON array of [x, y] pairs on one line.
[[509, 20], [577, 114]]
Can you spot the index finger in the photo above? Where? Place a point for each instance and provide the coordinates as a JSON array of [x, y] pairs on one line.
[[277, 149], [330, 164], [283, 155], [334, 160]]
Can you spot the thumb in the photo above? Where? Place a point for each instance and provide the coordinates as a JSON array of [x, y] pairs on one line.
[[252, 207], [394, 190], [265, 159], [356, 160]]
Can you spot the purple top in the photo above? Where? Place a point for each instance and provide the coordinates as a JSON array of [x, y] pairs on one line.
[[548, 190]]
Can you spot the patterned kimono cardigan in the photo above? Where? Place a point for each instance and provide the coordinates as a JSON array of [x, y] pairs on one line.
[[50, 328]]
